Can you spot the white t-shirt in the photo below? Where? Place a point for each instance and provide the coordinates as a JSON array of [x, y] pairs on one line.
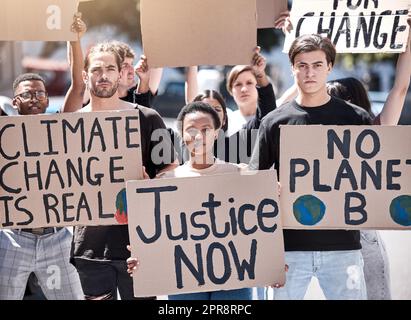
[[236, 121], [219, 166]]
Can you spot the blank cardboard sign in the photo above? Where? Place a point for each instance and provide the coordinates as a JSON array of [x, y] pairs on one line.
[[177, 33], [268, 11], [67, 169], [224, 233], [346, 177], [37, 20], [353, 26]]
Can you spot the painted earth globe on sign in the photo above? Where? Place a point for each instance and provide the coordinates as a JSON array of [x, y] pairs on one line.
[[400, 210], [308, 210], [121, 206]]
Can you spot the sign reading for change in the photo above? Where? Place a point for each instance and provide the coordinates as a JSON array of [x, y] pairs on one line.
[[353, 26], [351, 177], [67, 169], [223, 234], [178, 33], [37, 20]]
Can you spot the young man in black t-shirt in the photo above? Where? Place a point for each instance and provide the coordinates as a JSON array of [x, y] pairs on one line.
[[100, 252], [333, 256], [128, 90]]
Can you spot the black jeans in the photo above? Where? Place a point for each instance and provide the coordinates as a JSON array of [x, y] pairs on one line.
[[101, 279]]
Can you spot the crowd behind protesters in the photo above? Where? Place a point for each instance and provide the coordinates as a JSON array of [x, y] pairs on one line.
[[95, 262]]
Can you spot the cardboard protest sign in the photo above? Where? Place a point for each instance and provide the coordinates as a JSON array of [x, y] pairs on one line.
[[67, 169], [38, 20], [353, 26], [346, 177], [268, 11], [177, 33], [224, 233]]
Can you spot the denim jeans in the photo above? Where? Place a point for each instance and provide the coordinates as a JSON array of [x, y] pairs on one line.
[[376, 266], [260, 293], [339, 273], [237, 294]]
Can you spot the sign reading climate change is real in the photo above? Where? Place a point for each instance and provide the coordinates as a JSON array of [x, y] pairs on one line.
[[67, 169], [224, 233], [351, 177], [353, 25]]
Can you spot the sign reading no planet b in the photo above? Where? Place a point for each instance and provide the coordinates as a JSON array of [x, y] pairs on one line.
[[205, 233], [37, 20], [67, 169], [347, 177], [354, 26]]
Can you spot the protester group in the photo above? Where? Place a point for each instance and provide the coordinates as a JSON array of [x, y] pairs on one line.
[[94, 262]]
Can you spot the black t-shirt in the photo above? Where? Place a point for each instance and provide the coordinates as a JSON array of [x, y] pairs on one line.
[[240, 145], [109, 242], [267, 153], [142, 99]]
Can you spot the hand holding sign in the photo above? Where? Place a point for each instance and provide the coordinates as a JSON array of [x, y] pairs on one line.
[[280, 285], [259, 63], [132, 263], [78, 26], [284, 22], [143, 72]]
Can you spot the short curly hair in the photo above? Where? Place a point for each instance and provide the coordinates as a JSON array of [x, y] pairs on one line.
[[104, 47], [197, 106], [27, 77]]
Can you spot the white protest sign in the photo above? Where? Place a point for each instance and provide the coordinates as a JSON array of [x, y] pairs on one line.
[[67, 169], [177, 33], [346, 177], [37, 20], [205, 233], [353, 26], [268, 11]]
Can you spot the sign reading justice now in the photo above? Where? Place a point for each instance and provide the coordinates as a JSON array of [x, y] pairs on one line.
[[67, 169], [37, 20], [353, 25], [350, 177], [224, 233]]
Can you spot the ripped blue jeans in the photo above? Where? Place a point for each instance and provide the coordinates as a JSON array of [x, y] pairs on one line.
[[339, 273]]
